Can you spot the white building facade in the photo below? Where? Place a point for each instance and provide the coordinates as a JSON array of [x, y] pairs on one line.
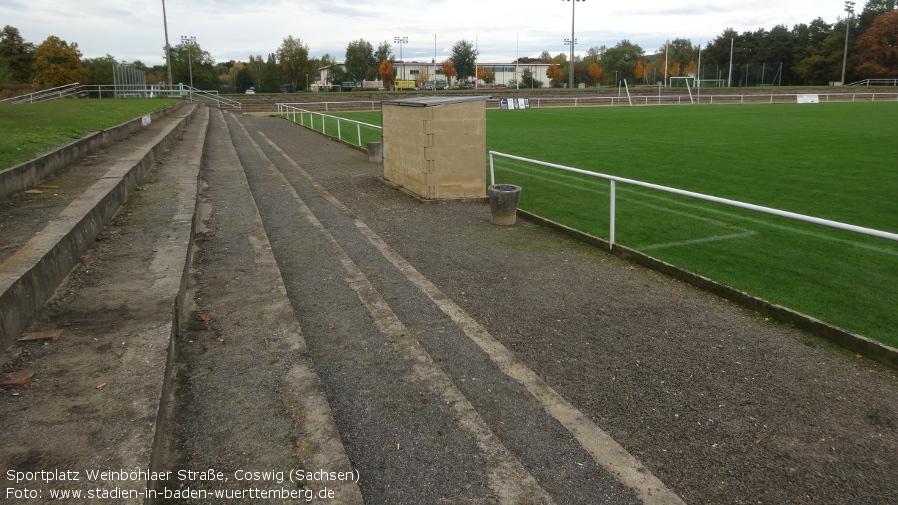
[[507, 74]]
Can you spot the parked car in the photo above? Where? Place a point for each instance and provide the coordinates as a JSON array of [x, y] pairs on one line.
[[287, 88], [251, 91]]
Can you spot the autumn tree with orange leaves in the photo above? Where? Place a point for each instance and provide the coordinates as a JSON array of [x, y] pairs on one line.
[[449, 71], [56, 62], [595, 71], [640, 70], [385, 70], [553, 73], [674, 70], [876, 51]]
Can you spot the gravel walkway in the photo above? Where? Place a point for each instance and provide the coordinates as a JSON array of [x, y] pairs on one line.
[[720, 404]]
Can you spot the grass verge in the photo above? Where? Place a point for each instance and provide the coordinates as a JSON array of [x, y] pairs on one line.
[[29, 130]]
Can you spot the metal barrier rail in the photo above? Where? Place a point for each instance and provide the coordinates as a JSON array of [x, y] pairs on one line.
[[211, 98], [349, 106], [47, 94], [698, 98], [635, 99], [875, 82], [290, 111], [700, 196]]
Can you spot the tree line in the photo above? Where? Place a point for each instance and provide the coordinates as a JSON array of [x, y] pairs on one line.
[[806, 54]]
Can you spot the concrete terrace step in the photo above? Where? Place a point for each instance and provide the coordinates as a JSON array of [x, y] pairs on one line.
[[44, 234], [90, 386], [98, 369]]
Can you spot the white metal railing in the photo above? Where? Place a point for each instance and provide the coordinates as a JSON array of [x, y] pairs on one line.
[[875, 82], [757, 208], [623, 99], [347, 106], [100, 91], [46, 94], [698, 98], [289, 111]]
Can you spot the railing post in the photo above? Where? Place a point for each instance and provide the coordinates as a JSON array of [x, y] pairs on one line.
[[339, 133], [611, 206], [358, 130], [492, 170]]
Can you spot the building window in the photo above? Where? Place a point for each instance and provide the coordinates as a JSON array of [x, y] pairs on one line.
[[413, 72]]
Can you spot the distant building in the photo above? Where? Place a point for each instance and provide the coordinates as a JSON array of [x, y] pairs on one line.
[[507, 74]]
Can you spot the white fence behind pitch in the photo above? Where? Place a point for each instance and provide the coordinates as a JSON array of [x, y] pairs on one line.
[[308, 119]]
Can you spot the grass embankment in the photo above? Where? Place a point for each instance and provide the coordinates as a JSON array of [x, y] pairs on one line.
[[29, 130]]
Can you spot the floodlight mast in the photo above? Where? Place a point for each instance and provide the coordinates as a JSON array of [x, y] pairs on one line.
[[572, 41], [189, 42], [401, 41]]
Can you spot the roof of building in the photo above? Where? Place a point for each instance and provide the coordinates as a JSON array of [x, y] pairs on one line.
[[432, 101]]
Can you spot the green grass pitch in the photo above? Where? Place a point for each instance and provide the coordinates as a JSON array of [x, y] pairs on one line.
[[833, 161]]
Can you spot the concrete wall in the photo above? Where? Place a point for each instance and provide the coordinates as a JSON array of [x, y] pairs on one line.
[[436, 152]]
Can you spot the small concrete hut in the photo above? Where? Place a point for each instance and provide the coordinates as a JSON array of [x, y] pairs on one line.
[[435, 147]]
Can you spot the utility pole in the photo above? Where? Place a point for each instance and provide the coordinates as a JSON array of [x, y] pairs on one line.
[[730, 76], [849, 8], [167, 48]]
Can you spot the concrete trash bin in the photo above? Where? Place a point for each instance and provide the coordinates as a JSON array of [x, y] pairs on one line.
[[504, 203]]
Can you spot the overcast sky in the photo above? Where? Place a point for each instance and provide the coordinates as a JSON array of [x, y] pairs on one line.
[[231, 30]]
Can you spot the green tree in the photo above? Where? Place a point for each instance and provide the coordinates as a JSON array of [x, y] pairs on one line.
[[255, 65], [594, 55], [822, 53], [384, 52], [678, 51], [360, 61], [15, 55], [622, 59], [188, 58], [271, 80], [243, 79], [293, 62], [56, 62], [779, 50], [336, 74], [101, 69], [872, 10], [464, 57], [528, 81]]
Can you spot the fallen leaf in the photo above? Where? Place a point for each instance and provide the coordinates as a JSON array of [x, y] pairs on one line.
[[858, 356], [16, 378], [41, 335], [101, 386], [205, 317]]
